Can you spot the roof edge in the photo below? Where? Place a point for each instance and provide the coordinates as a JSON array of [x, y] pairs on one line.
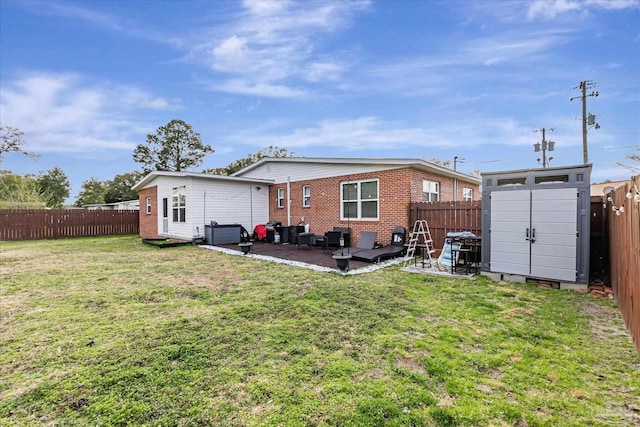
[[151, 175], [411, 162]]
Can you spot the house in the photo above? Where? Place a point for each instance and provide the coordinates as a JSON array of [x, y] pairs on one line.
[[363, 194], [125, 205], [604, 188], [179, 204]]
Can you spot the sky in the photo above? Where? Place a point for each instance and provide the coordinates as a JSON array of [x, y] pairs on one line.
[[86, 81]]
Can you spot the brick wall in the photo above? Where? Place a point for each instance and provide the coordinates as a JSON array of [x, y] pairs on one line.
[[149, 222], [397, 188]]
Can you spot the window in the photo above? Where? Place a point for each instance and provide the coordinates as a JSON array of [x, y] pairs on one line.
[[281, 197], [430, 191], [148, 201], [359, 200], [179, 204], [551, 179], [165, 208], [512, 181], [467, 194], [306, 196]]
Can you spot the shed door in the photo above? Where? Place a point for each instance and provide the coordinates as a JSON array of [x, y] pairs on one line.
[[510, 218], [553, 247]]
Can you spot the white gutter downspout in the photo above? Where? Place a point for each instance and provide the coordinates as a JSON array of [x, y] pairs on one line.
[[288, 201]]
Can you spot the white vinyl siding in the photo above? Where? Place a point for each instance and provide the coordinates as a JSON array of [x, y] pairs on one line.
[[280, 198], [359, 200], [228, 203], [306, 196], [430, 191], [467, 194], [306, 171]]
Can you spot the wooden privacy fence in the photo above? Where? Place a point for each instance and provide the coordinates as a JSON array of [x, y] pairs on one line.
[[445, 217], [35, 224], [624, 253]]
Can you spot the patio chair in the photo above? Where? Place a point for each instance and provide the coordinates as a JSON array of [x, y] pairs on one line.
[[332, 239], [394, 249], [346, 235], [366, 241], [305, 239]]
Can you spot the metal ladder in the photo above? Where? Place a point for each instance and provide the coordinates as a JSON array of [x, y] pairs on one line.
[[420, 232]]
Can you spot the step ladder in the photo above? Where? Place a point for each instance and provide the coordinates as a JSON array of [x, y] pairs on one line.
[[421, 236]]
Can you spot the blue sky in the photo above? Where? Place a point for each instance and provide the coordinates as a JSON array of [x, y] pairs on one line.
[[88, 80]]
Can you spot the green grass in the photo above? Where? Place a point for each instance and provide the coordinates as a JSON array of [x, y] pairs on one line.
[[113, 332]]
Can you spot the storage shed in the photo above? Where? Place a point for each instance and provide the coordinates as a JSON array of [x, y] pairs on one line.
[[536, 223]]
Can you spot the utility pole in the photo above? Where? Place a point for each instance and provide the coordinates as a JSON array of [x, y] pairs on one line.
[[546, 145], [457, 160], [583, 86]]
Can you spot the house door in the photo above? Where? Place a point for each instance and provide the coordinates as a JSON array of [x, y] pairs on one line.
[[534, 232]]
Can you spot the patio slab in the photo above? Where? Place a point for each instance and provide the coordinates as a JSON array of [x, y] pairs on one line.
[[314, 258]]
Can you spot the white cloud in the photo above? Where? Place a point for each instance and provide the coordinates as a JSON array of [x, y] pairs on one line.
[[549, 9], [274, 46], [117, 24], [63, 113], [325, 70], [248, 87], [367, 133]]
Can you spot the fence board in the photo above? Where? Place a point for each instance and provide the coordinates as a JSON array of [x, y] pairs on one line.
[[35, 224], [445, 217], [624, 253]]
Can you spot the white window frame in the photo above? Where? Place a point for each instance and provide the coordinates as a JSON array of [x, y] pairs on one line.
[[306, 196], [280, 197], [359, 200], [148, 204], [467, 194], [179, 204], [429, 189]]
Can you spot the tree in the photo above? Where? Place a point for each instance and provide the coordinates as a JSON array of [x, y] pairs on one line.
[[54, 186], [11, 141], [174, 147], [18, 191], [270, 151], [439, 162], [93, 191], [634, 157], [119, 188]]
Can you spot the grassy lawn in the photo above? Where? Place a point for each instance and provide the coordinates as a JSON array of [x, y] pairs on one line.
[[111, 331]]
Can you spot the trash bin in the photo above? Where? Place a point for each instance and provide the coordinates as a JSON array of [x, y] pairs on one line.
[[284, 234]]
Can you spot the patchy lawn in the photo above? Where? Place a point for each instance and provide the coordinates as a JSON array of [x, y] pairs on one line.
[[110, 331]]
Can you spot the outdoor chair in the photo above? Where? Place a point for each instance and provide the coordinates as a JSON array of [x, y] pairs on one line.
[[366, 241], [346, 235], [332, 239], [305, 239]]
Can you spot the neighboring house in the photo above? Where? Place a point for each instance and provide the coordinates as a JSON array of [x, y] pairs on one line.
[[599, 188], [363, 194], [180, 204], [126, 205]]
